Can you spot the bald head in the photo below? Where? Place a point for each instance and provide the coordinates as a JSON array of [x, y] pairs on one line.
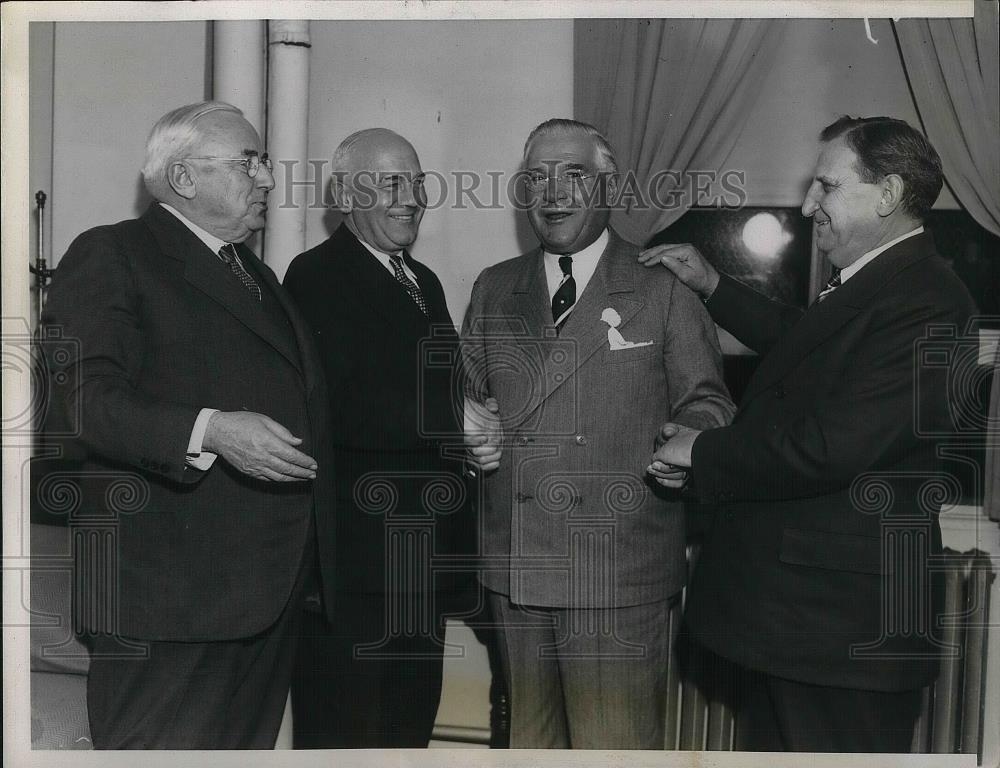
[[357, 151], [377, 183]]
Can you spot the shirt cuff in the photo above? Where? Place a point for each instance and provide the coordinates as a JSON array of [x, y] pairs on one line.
[[196, 457]]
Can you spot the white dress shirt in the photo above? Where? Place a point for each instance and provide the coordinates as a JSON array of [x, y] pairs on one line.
[[584, 264], [852, 269], [383, 259]]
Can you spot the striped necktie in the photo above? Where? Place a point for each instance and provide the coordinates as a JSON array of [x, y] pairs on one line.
[[229, 257], [565, 295], [411, 287], [831, 285]]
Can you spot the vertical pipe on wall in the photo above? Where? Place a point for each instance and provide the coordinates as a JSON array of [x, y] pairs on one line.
[[238, 65], [287, 134], [239, 62]]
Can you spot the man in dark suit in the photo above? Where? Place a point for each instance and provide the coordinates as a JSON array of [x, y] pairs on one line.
[[816, 570], [583, 353], [370, 675], [197, 386]]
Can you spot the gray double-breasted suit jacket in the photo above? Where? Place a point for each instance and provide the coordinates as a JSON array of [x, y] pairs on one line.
[[570, 518]]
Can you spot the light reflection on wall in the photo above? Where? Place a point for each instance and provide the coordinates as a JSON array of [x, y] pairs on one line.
[[764, 236]]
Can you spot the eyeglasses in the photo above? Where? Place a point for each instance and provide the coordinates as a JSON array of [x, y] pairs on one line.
[[251, 163], [572, 179], [399, 181]]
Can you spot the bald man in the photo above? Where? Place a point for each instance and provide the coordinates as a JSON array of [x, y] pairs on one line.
[[370, 676]]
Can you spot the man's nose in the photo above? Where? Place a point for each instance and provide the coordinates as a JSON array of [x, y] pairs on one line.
[[264, 178], [406, 195], [809, 205], [555, 190]]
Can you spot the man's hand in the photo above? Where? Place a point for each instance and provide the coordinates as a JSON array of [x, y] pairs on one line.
[[673, 455], [684, 260], [258, 446], [483, 433]]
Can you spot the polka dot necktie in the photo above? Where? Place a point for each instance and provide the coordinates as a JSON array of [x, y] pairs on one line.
[[227, 254], [411, 287], [565, 295]]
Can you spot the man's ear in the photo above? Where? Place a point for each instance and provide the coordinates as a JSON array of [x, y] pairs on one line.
[[180, 180], [341, 195], [613, 181], [893, 188]]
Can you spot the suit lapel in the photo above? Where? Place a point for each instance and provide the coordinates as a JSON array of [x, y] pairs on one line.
[[206, 272], [528, 309], [379, 291], [825, 318], [268, 282], [611, 284]]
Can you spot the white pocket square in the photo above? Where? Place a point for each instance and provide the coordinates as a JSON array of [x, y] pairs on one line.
[[615, 339]]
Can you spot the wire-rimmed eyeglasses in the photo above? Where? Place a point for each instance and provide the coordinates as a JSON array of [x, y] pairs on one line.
[[251, 163], [537, 181]]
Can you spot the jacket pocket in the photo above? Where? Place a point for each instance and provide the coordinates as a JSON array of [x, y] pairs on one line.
[[628, 355], [832, 551]]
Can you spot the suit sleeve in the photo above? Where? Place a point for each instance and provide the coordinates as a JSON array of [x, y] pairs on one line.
[[757, 321], [692, 360], [94, 302], [866, 423], [473, 346]]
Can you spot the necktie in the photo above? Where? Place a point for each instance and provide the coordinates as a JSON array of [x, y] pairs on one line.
[[228, 255], [411, 287], [565, 295], [831, 285]]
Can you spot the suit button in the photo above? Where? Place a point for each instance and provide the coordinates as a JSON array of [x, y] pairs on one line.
[[581, 439]]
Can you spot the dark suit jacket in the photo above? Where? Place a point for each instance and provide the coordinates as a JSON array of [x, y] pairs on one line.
[[157, 327], [390, 371], [822, 473], [570, 518]]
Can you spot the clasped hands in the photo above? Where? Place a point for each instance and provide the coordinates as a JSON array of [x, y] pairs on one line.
[[483, 438], [483, 434], [672, 457]]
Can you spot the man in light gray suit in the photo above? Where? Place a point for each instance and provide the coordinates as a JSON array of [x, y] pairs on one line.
[[585, 355]]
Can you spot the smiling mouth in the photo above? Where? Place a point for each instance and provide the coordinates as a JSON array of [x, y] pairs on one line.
[[554, 217], [405, 218]]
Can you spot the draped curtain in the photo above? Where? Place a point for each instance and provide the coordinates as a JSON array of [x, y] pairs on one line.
[[670, 95], [953, 68]]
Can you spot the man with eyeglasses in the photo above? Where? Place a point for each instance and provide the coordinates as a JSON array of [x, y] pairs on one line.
[[583, 558], [369, 669], [199, 387]]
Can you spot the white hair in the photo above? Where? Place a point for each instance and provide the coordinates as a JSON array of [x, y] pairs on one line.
[[173, 135], [563, 127]]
